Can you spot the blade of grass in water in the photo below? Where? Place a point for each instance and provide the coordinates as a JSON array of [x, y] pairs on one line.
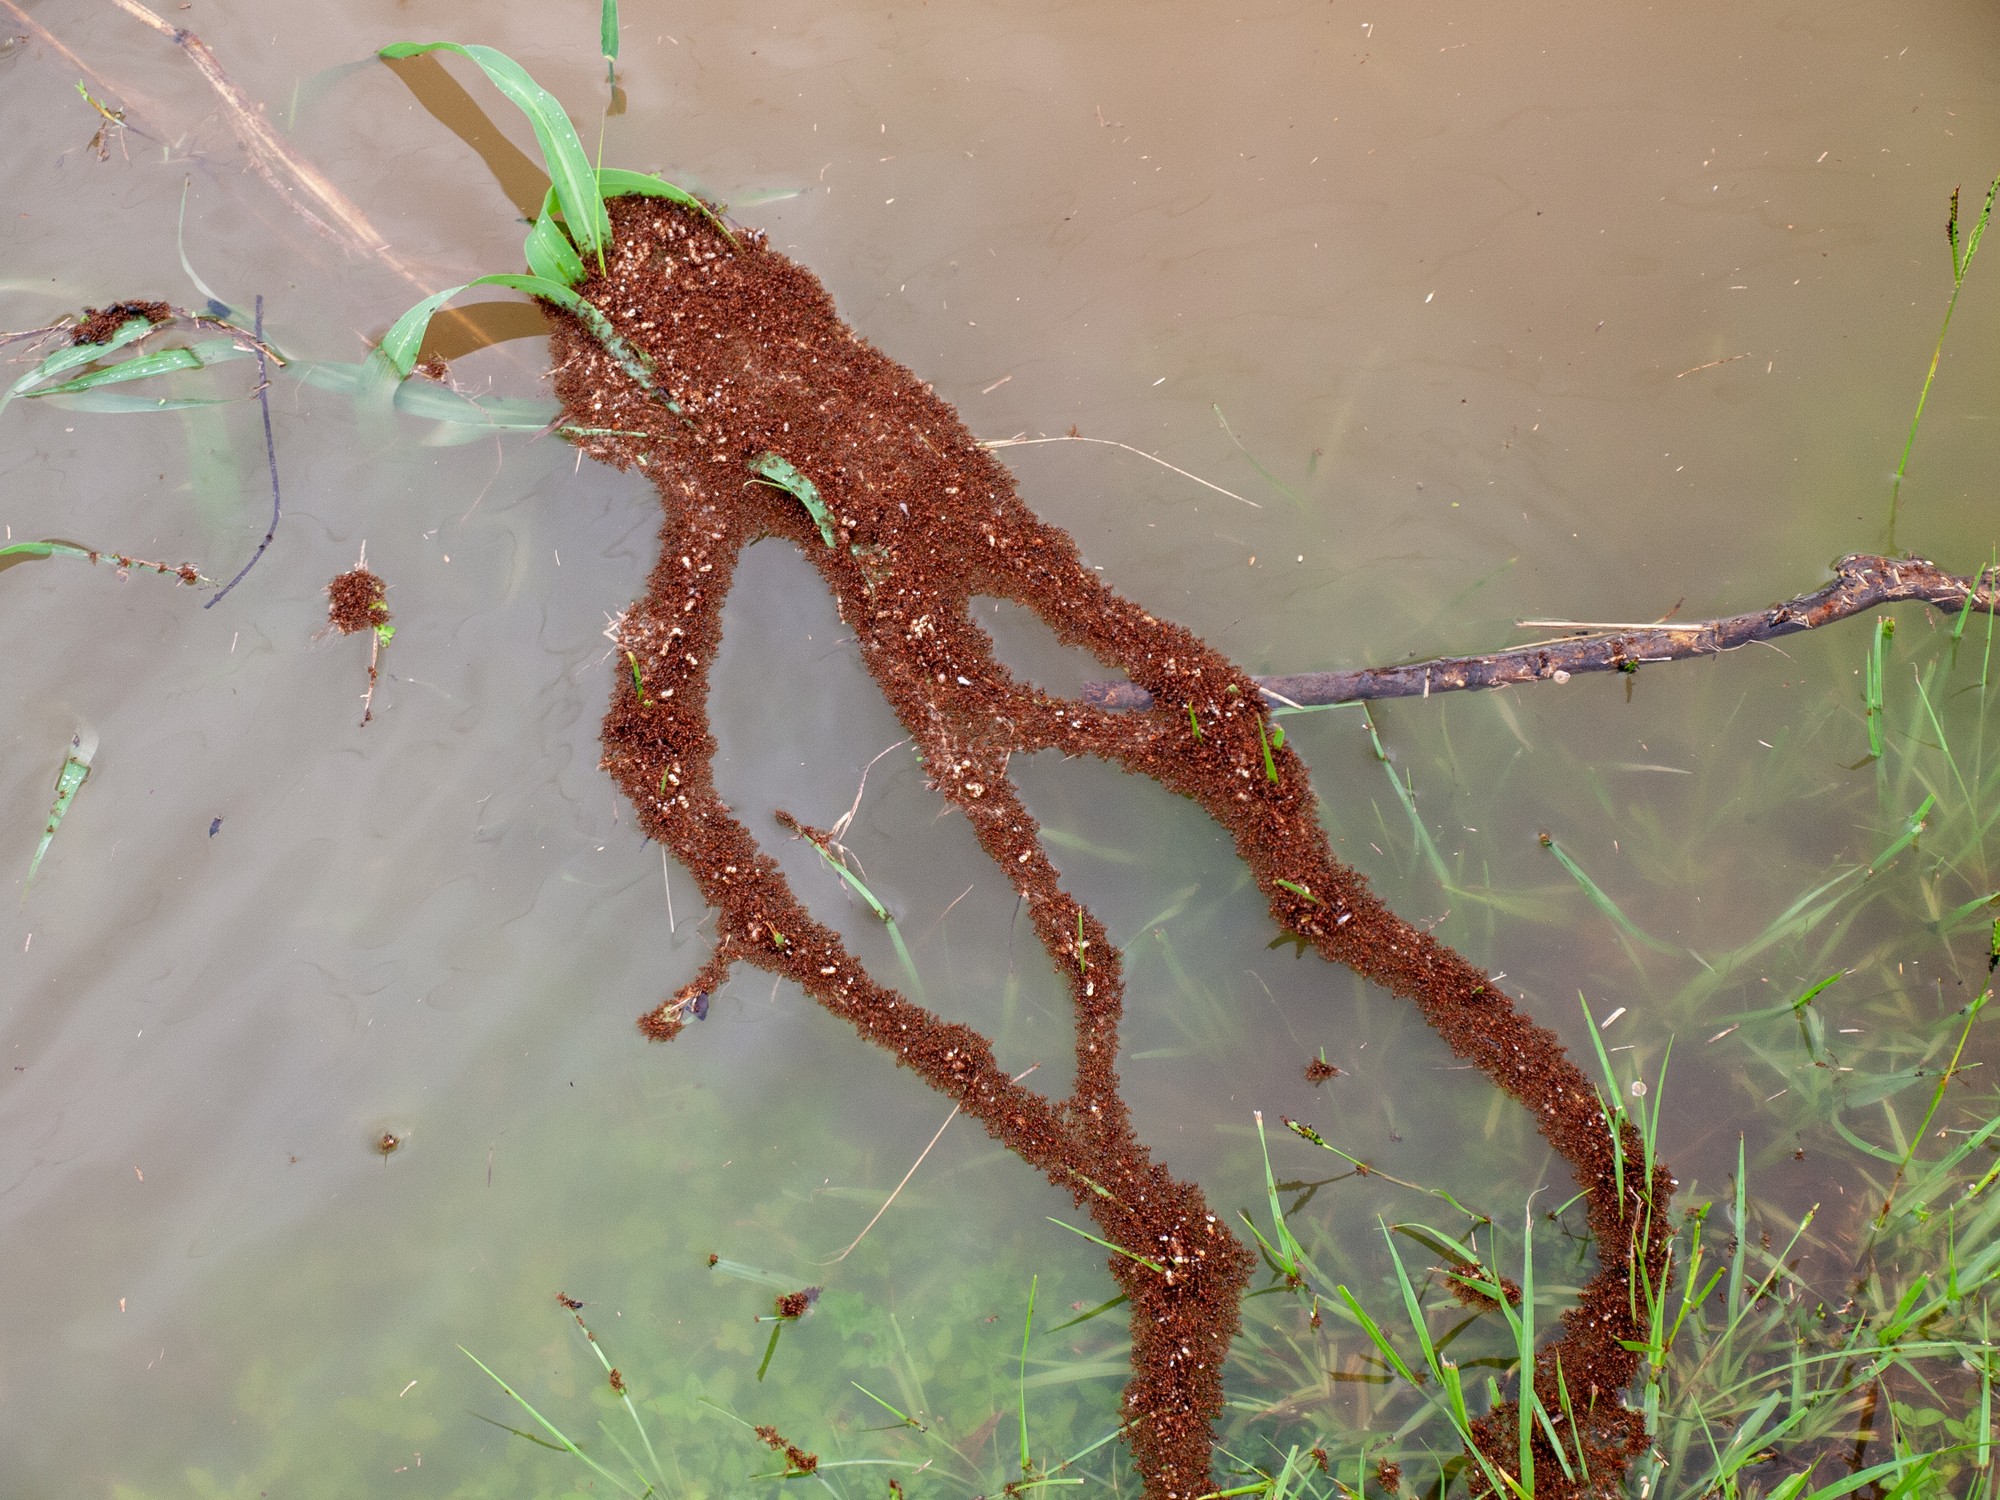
[[1913, 828], [888, 920], [1028, 1327], [397, 353], [1961, 262], [78, 355], [75, 768], [1872, 683], [159, 362], [1406, 796], [607, 39], [570, 171], [1151, 1265], [548, 252], [553, 1431], [1276, 483], [216, 303], [1601, 901]]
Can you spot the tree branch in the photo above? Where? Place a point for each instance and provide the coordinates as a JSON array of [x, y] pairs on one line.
[[1861, 582]]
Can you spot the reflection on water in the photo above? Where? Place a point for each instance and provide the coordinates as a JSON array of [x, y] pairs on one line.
[[1509, 315]]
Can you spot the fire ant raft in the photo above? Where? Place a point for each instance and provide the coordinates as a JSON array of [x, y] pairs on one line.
[[722, 371]]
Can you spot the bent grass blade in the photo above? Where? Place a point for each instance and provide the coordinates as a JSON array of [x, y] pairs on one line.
[[554, 1431], [770, 469], [574, 179], [1601, 901]]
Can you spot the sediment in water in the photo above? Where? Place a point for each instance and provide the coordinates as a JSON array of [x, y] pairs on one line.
[[735, 352]]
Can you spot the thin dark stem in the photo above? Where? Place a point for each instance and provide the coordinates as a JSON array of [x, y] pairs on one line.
[[270, 454]]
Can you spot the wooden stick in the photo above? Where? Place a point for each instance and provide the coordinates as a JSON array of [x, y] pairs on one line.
[[1861, 582]]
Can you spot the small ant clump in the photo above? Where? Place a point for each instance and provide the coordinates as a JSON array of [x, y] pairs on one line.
[[1460, 1279], [1319, 1070], [569, 1302], [387, 1144], [357, 600], [617, 1383], [795, 1304]]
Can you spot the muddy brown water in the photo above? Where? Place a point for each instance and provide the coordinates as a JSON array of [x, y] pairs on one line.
[[1535, 313]]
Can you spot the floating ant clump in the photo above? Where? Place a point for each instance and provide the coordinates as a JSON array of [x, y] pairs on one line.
[[1465, 1280], [617, 1383], [357, 600], [99, 323], [569, 1302], [387, 1144], [665, 1023], [1319, 1070], [801, 1462], [794, 1305]]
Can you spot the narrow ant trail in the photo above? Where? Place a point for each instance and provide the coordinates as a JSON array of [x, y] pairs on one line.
[[735, 355]]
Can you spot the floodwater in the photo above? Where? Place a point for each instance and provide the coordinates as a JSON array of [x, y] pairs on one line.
[[1535, 311]]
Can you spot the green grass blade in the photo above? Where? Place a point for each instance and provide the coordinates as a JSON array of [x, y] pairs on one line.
[[548, 252], [1913, 828], [553, 1431], [1151, 1265], [607, 38], [1027, 1328], [46, 549], [770, 469], [159, 362], [400, 345], [1406, 795], [562, 152], [1601, 901], [75, 769], [78, 355]]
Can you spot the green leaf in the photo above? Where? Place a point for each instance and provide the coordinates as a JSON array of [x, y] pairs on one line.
[[548, 251], [775, 471], [607, 31], [569, 167], [45, 549]]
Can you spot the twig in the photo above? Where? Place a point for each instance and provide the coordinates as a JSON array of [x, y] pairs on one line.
[[1073, 437], [374, 665], [913, 1165], [1862, 581], [271, 456]]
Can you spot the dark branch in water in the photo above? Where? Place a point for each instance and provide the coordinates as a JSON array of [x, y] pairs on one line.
[[1861, 582], [270, 454]]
